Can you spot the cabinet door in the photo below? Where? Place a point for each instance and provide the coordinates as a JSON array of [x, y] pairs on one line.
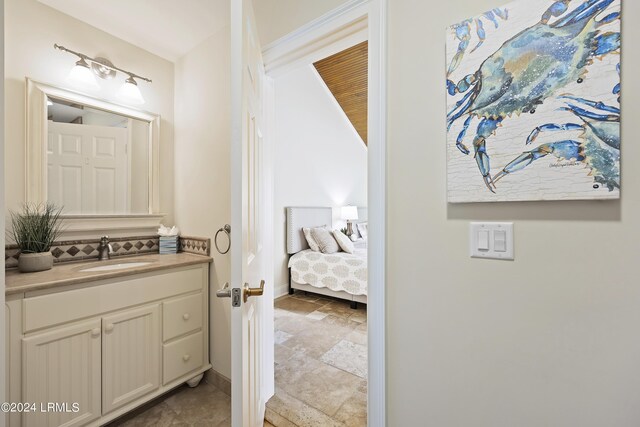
[[130, 355], [62, 366]]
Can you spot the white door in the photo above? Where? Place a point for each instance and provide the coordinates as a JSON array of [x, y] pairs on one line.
[[88, 168], [251, 378]]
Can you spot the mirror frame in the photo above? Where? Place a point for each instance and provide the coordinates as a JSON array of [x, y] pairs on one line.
[[36, 157]]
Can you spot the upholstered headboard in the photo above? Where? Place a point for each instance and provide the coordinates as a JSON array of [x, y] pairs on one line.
[[304, 217], [311, 217]]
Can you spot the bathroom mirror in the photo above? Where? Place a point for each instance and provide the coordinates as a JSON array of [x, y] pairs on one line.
[[92, 157]]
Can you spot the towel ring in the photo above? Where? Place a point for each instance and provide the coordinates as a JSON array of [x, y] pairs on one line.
[[227, 230]]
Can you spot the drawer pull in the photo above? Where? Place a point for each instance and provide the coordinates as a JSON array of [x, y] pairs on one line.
[[186, 316], [186, 357], [95, 332], [109, 327]]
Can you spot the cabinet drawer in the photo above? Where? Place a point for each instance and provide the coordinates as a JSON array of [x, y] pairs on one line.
[[182, 357], [181, 315]]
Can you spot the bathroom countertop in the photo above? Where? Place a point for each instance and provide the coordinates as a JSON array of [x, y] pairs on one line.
[[68, 273]]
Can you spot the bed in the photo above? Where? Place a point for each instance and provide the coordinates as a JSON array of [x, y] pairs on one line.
[[341, 275]]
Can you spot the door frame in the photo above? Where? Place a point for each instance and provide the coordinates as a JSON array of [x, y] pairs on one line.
[[330, 33]]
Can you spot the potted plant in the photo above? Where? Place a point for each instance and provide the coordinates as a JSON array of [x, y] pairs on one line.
[[34, 230]]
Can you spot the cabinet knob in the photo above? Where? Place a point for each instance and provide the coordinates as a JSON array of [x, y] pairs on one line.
[[95, 332], [186, 357], [109, 327], [186, 316]]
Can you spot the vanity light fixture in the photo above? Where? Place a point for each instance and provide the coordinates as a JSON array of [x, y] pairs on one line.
[[129, 92], [84, 75]]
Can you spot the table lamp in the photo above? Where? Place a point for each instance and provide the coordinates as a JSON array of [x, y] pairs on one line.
[[349, 213]]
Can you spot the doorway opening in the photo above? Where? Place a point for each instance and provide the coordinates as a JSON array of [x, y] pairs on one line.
[[320, 198]]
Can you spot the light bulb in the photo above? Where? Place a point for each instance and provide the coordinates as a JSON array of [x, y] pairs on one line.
[[129, 92], [82, 76]]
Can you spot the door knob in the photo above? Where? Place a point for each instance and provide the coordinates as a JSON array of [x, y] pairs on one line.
[[252, 292], [109, 327], [225, 292]]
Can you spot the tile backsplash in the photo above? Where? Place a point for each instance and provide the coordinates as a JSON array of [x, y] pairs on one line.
[[75, 250], [195, 245]]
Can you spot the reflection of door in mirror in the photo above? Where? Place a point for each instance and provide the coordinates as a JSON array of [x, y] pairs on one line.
[[96, 160]]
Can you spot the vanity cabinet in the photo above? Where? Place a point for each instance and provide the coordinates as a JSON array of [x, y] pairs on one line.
[[107, 347]]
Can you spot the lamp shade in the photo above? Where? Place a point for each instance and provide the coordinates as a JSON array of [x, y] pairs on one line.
[[130, 93], [82, 77], [349, 213]]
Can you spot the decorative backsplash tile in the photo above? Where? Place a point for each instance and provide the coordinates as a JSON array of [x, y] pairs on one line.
[[75, 250], [195, 245]]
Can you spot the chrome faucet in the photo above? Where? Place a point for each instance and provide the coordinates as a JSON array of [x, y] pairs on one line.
[[105, 249]]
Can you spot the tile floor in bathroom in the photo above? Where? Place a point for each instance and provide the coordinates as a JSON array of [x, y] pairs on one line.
[[202, 406], [320, 372]]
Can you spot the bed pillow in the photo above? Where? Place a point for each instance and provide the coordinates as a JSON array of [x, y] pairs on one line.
[[313, 245], [325, 240], [345, 243], [362, 229]]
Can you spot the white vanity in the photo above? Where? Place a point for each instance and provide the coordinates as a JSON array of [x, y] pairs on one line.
[[100, 343]]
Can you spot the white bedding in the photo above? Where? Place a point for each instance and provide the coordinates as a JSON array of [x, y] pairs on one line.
[[339, 272]]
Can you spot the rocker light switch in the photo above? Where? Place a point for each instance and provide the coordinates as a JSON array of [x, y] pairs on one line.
[[483, 240], [491, 240], [500, 241]]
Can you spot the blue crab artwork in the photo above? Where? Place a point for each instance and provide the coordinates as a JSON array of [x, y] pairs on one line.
[[516, 79], [462, 31], [598, 147]]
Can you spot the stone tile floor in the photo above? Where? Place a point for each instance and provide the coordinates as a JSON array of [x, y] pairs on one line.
[[320, 363], [202, 406], [320, 371]]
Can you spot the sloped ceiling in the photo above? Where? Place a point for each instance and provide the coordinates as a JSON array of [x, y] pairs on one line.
[[345, 74]]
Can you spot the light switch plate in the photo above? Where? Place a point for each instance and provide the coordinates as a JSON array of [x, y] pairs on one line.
[[477, 230]]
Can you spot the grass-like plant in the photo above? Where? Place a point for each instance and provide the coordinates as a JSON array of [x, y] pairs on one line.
[[36, 228]]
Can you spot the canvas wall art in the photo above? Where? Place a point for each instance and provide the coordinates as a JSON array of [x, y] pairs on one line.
[[533, 102]]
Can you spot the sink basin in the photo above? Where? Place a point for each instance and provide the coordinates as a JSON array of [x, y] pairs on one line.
[[111, 267]]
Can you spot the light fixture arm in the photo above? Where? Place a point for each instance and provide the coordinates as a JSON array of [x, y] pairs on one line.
[[95, 61]]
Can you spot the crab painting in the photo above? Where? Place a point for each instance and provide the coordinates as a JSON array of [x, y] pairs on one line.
[[597, 147], [521, 82]]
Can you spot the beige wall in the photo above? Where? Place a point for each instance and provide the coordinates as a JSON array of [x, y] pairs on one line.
[[548, 340], [202, 136], [277, 18], [31, 29]]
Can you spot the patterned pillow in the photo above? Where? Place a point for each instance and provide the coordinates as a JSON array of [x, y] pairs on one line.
[[362, 229], [345, 243], [325, 240], [313, 245]]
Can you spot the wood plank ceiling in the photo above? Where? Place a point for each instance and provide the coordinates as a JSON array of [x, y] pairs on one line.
[[345, 74]]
